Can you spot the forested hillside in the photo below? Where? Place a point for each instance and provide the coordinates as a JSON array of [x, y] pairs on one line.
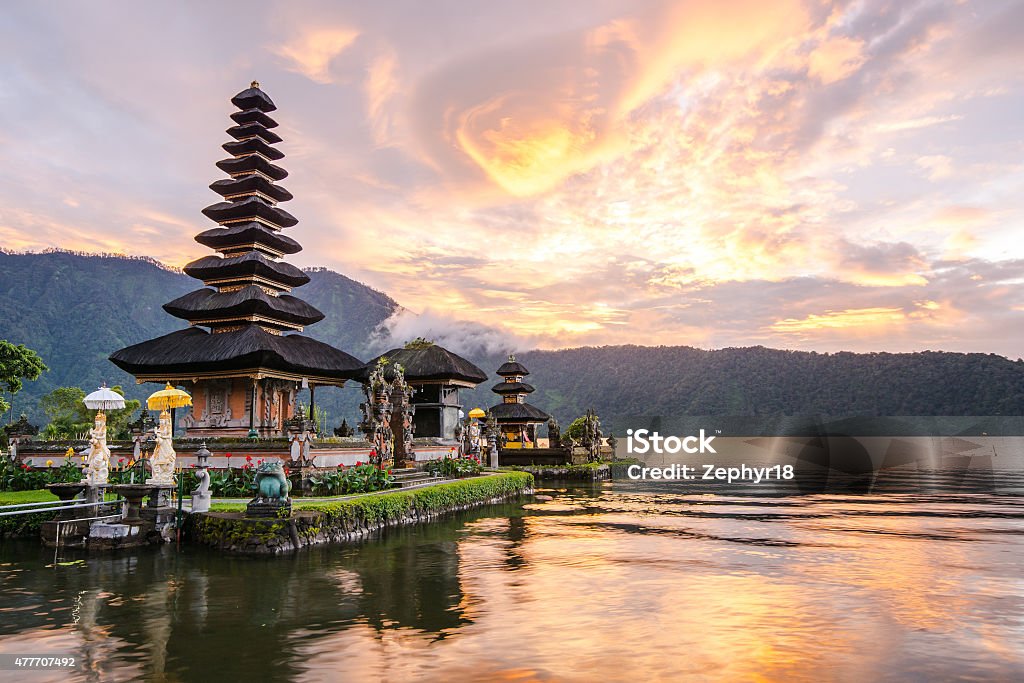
[[76, 309]]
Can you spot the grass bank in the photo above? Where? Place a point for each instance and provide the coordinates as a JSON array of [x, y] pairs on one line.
[[25, 525]]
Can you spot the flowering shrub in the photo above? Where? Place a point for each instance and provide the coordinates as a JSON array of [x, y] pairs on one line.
[[23, 477], [360, 478], [455, 467]]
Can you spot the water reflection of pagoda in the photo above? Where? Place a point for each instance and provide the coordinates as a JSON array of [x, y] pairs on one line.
[[245, 369], [517, 419]]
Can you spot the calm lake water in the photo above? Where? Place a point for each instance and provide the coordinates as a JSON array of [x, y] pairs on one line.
[[922, 579]]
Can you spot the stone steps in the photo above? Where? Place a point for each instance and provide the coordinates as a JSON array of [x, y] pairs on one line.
[[410, 477]]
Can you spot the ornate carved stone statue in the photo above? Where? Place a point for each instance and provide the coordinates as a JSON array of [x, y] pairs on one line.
[[272, 489], [271, 484], [376, 424], [473, 438], [164, 456], [97, 465], [554, 434]]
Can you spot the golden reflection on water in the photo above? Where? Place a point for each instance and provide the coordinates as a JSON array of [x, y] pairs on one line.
[[826, 594], [621, 583]]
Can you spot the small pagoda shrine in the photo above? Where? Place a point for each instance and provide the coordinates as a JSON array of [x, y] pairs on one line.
[[517, 419], [242, 358], [436, 375]]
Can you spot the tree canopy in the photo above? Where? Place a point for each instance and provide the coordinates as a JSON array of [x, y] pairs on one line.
[[17, 363]]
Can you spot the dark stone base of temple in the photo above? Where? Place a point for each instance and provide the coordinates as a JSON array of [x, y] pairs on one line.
[[263, 509], [570, 473], [533, 456]]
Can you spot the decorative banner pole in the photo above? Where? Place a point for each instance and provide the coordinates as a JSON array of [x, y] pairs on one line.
[[97, 467], [164, 457]]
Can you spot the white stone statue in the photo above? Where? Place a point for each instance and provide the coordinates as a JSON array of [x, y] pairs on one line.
[[97, 465], [164, 456]]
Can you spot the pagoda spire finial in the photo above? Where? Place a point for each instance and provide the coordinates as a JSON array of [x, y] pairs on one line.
[[254, 84]]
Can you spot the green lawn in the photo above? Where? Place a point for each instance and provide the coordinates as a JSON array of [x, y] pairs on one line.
[[16, 497]]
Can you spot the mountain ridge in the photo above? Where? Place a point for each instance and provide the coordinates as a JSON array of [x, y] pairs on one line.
[[76, 308]]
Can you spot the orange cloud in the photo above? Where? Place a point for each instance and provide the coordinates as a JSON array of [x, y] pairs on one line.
[[310, 54], [835, 59], [861, 318]]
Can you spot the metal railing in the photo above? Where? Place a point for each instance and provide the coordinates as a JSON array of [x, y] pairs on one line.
[[52, 506]]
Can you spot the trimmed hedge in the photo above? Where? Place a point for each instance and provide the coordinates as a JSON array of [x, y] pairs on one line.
[[315, 522]]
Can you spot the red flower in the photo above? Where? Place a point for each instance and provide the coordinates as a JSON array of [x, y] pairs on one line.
[[248, 458], [192, 465], [358, 463], [120, 460], [340, 466], [227, 455]]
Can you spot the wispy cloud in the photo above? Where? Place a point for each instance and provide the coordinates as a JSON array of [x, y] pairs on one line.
[[804, 174]]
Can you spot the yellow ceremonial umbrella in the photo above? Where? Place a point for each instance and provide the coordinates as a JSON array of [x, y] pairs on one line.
[[168, 398], [477, 413]]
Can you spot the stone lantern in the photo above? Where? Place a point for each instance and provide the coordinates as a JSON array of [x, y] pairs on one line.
[[201, 494]]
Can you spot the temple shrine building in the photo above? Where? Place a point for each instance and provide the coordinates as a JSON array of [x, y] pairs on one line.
[[436, 374], [242, 357], [517, 419]]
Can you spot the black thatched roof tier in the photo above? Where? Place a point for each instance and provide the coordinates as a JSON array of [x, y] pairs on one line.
[[512, 367], [243, 234], [254, 129], [241, 306], [252, 146], [251, 163], [250, 183], [250, 348], [513, 388], [250, 207], [428, 364], [254, 98], [518, 412], [253, 116], [206, 304], [246, 265]]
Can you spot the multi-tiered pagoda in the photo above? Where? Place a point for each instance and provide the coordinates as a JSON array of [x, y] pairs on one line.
[[242, 358], [517, 419]]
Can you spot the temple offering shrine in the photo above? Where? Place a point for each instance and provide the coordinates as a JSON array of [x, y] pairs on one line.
[[517, 419], [435, 375], [242, 358]]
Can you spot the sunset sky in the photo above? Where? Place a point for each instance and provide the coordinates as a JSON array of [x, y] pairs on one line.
[[806, 175]]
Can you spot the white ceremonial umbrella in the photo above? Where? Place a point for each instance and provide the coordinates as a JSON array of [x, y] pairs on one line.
[[104, 399]]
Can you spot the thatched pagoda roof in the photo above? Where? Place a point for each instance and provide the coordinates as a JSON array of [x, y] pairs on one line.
[[204, 304], [518, 413], [430, 363], [512, 367], [246, 305], [513, 388], [195, 350], [237, 234], [246, 265]]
